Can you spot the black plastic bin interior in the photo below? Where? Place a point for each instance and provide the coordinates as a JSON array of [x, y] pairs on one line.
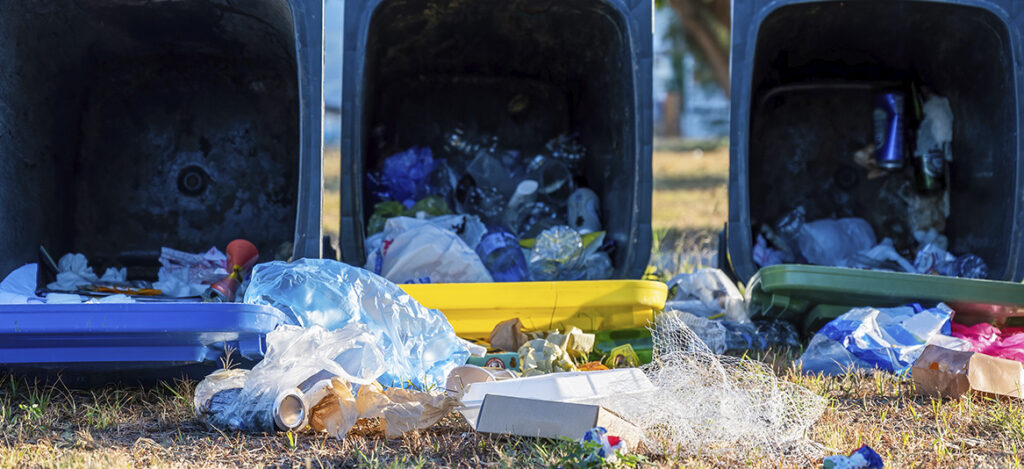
[[803, 83], [130, 125], [522, 70]]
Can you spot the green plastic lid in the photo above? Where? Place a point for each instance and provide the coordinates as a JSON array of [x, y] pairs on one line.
[[809, 296]]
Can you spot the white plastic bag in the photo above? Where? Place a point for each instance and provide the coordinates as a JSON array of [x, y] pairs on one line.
[[417, 251], [830, 242], [707, 293]]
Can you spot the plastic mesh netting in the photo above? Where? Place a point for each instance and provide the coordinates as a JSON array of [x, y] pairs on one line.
[[710, 403]]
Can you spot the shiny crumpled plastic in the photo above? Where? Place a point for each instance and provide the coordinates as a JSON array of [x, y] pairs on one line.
[[889, 339], [248, 401], [708, 293], [418, 344]]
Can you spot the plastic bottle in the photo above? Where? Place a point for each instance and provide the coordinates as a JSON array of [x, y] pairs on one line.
[[520, 205], [557, 255], [500, 252], [554, 179], [583, 211]]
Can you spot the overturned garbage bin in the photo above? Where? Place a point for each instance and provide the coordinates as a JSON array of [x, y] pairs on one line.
[[807, 80], [132, 125], [520, 72]]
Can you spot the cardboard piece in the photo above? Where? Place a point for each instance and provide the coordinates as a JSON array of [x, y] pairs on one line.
[[950, 373], [509, 415]]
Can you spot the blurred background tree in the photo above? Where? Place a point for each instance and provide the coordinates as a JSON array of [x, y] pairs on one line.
[[694, 40]]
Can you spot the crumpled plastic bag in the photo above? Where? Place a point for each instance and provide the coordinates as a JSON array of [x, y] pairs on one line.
[[418, 251], [419, 344], [985, 338], [830, 242], [19, 286], [708, 293], [765, 256], [404, 176], [881, 257], [294, 356], [888, 339], [247, 400], [723, 335], [184, 274]]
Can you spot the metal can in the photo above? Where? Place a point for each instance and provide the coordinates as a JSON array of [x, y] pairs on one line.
[[931, 171], [889, 117]]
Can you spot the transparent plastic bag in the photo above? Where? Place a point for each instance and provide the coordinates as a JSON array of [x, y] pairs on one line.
[[708, 292], [280, 391], [418, 344], [830, 242]]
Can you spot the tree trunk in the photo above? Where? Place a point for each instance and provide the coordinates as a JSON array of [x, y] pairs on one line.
[[718, 56], [671, 110]]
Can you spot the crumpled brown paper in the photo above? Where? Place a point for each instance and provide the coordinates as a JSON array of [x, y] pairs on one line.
[[403, 409], [508, 335]]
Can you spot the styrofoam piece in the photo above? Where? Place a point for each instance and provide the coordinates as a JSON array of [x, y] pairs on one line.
[[579, 387]]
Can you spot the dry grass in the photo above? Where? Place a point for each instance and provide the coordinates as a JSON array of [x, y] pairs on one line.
[[51, 426]]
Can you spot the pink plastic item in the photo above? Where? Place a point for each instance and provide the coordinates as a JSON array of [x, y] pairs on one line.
[[985, 338]]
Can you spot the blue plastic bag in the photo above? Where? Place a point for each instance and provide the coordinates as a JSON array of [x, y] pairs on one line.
[[405, 176], [889, 339], [418, 344]]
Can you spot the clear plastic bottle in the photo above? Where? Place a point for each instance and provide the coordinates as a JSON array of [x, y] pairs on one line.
[[500, 252], [554, 179], [520, 205], [557, 254]]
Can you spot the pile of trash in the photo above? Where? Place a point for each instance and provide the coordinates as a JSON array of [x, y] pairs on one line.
[[903, 230], [210, 276], [471, 210], [362, 348]]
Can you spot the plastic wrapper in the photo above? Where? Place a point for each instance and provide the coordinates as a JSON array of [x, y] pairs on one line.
[[554, 179], [765, 256], [557, 254], [418, 344], [486, 202], [184, 274], [881, 257], [863, 458], [888, 339], [487, 171], [985, 338], [830, 242], [599, 266], [280, 391], [418, 251], [708, 293], [432, 206], [723, 335], [932, 259], [382, 211]]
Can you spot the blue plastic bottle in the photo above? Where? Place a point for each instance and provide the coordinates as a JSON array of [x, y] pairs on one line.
[[500, 252]]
